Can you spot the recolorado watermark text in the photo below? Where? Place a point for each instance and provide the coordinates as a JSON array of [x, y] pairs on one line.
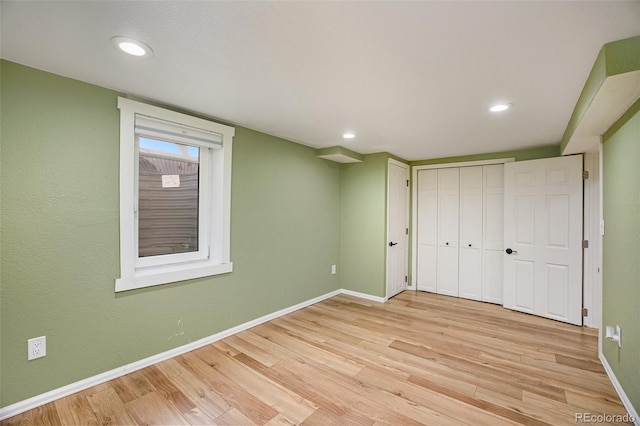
[[604, 418]]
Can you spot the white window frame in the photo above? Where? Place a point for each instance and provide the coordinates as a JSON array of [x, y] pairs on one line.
[[214, 255]]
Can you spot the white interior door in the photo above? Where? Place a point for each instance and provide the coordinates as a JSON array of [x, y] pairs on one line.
[[397, 227], [543, 238], [427, 229], [470, 266], [448, 223]]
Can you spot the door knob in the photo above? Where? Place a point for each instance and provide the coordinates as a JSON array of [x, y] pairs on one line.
[[391, 244], [509, 251]]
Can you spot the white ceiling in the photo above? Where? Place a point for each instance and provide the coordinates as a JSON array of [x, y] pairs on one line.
[[411, 78]]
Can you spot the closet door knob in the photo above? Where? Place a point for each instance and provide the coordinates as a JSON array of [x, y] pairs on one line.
[[391, 244]]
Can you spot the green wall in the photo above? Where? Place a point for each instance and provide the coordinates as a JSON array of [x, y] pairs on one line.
[[59, 210], [364, 224], [621, 249]]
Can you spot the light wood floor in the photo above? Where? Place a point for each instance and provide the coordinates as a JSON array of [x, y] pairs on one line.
[[418, 359]]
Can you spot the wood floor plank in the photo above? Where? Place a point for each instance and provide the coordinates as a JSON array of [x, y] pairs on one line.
[[108, 407], [75, 410], [314, 388], [197, 391], [580, 363], [46, 415], [282, 399], [324, 417], [233, 417], [151, 409], [305, 349], [256, 352], [22, 419], [480, 369], [583, 402], [419, 358], [132, 386], [196, 416], [429, 367], [170, 392], [424, 407], [242, 401], [280, 420], [519, 406]]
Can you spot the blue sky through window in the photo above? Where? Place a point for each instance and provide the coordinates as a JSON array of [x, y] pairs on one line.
[[169, 148]]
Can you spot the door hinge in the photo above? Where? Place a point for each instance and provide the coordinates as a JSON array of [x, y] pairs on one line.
[[585, 312], [585, 174], [407, 231], [585, 244], [407, 182], [405, 278]]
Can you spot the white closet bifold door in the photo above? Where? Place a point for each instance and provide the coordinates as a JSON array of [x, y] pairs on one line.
[[493, 217], [448, 224], [459, 224], [427, 229], [470, 264]]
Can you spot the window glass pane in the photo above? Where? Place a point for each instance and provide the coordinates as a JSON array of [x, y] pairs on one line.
[[168, 188]]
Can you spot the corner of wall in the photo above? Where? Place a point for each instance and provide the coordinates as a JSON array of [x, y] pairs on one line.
[[363, 225]]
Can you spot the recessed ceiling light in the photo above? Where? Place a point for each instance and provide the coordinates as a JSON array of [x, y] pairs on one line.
[[348, 135], [500, 107], [131, 46]]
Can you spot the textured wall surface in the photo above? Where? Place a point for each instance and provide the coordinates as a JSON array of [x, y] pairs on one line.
[[621, 250], [60, 249], [364, 215]]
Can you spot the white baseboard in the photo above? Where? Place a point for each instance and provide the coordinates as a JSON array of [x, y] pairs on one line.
[[618, 387], [45, 398], [363, 296]]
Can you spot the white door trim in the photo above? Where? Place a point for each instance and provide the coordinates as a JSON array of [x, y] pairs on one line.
[[465, 164], [592, 275], [406, 167]]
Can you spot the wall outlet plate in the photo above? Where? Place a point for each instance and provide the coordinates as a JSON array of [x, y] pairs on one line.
[[36, 347]]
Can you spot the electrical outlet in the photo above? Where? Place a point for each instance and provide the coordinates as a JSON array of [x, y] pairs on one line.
[[36, 347], [333, 269]]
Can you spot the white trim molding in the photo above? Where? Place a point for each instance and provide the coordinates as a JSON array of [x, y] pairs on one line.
[[213, 254], [619, 390], [465, 164], [364, 296], [55, 394]]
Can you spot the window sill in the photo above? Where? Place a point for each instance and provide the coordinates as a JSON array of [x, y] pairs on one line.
[[170, 274]]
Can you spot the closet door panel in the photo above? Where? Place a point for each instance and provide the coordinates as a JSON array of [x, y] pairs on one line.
[[460, 212], [493, 218], [470, 265], [448, 231], [427, 229], [492, 274]]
